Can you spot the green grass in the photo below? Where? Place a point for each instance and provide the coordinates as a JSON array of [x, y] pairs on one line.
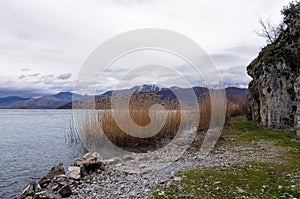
[[248, 180], [248, 131]]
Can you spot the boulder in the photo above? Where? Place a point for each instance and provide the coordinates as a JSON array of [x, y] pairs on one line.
[[65, 191], [55, 184], [31, 189], [55, 171], [74, 172], [89, 163], [61, 180]]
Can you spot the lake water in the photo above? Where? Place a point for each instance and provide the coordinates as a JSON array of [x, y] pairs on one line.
[[31, 142]]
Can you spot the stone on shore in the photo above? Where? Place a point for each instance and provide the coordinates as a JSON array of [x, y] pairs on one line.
[[57, 170], [54, 185], [89, 163], [31, 189], [74, 172]]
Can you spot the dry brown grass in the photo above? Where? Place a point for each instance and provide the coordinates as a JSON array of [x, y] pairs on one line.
[[95, 125]]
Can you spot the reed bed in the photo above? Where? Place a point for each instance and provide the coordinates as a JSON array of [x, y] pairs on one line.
[[97, 127]]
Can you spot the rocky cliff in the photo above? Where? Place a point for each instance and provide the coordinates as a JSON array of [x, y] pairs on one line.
[[274, 92]]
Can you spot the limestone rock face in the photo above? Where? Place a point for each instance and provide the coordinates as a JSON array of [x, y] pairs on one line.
[[274, 92], [297, 90]]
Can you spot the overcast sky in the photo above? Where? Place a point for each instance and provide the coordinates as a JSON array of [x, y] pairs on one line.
[[44, 43]]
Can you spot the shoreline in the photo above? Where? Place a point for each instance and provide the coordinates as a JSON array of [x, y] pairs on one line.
[[100, 178]]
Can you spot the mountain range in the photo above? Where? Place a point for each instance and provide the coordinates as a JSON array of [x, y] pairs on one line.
[[63, 100]]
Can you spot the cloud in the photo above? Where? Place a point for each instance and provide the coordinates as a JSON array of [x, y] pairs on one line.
[[25, 69], [64, 76], [34, 85], [49, 38], [236, 73], [33, 75], [28, 76], [22, 77]]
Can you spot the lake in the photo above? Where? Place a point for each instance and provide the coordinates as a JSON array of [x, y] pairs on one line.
[[33, 141]]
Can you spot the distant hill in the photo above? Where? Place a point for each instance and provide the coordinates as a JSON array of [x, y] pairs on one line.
[[63, 100], [236, 92], [12, 99], [44, 102], [103, 101]]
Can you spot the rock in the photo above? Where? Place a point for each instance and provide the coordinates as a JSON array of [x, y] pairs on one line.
[[142, 166], [57, 170], [128, 158], [177, 178], [90, 162], [45, 195], [240, 190], [54, 185], [31, 189], [161, 193], [218, 182], [113, 161], [118, 165], [274, 92], [65, 191], [144, 158], [61, 180], [42, 194], [297, 91], [74, 172]]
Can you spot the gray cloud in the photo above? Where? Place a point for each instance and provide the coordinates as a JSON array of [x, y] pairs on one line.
[[33, 75], [25, 69], [28, 75], [226, 59], [22, 77], [34, 85], [238, 73], [54, 40], [64, 76]]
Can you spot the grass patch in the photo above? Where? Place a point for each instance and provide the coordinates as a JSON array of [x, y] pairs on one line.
[[247, 180], [242, 130], [253, 180]]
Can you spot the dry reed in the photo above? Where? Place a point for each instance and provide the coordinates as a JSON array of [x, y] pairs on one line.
[[95, 125]]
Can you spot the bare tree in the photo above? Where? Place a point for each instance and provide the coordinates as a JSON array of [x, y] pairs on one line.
[[269, 31]]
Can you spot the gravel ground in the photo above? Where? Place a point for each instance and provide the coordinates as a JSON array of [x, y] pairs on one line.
[[122, 179]]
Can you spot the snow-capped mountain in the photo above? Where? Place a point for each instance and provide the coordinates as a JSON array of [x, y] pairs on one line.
[[147, 88]]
